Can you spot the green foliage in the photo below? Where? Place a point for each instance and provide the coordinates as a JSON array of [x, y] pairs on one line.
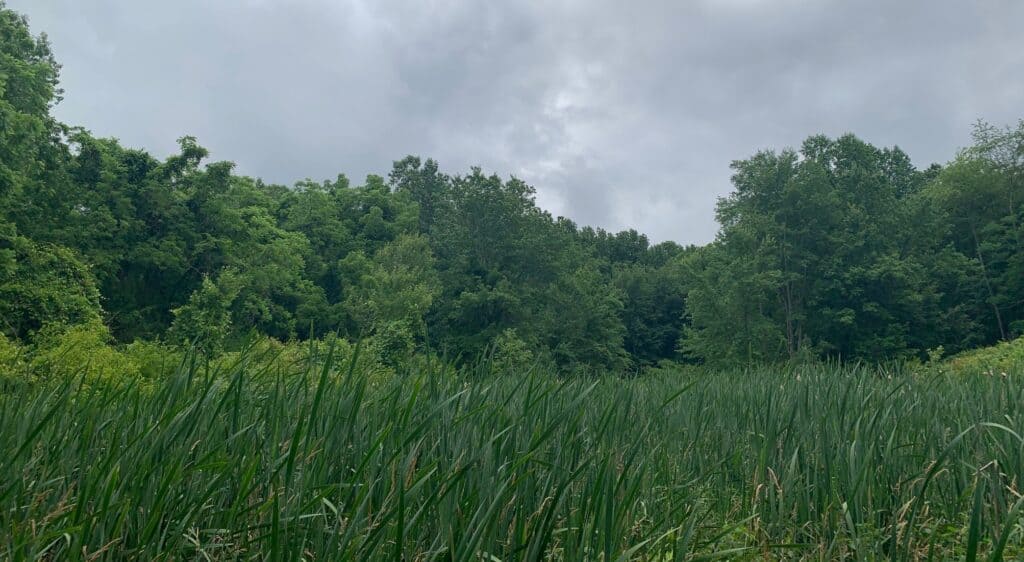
[[397, 286], [155, 361], [273, 295], [81, 350], [582, 326], [982, 192], [654, 301], [510, 354], [847, 250], [40, 284], [13, 366], [28, 86], [997, 360], [205, 321], [726, 304], [392, 343]]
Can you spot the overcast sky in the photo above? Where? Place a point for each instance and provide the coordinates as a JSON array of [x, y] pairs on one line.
[[622, 114]]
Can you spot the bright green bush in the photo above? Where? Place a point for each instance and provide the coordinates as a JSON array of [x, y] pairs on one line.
[[511, 354], [1000, 359], [13, 367], [266, 354], [366, 360], [206, 320], [154, 360], [82, 349]]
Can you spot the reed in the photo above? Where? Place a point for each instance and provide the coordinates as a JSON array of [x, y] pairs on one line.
[[260, 459]]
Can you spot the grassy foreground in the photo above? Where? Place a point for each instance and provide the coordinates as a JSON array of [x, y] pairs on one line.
[[319, 460]]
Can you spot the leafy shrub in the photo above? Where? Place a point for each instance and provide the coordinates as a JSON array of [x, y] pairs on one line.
[[40, 284], [154, 360], [392, 343], [264, 353], [368, 361], [206, 320], [13, 368], [511, 353], [62, 351], [1000, 359]]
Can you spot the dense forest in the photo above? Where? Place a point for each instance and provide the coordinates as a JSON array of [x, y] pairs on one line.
[[837, 250]]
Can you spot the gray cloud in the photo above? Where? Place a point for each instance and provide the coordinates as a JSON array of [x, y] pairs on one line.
[[622, 114]]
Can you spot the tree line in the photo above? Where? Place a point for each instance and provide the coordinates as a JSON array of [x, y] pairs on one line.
[[837, 250]]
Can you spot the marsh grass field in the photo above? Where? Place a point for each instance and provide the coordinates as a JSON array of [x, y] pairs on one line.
[[321, 459]]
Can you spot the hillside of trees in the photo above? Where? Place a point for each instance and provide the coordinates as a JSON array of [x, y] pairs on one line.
[[835, 250]]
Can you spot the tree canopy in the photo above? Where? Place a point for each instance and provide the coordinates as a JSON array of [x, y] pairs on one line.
[[837, 249]]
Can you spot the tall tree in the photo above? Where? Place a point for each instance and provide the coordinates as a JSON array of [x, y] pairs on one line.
[[28, 135]]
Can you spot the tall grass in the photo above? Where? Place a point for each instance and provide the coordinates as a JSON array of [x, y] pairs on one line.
[[261, 459]]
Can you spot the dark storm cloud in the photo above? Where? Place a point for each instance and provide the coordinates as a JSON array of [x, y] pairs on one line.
[[620, 113]]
